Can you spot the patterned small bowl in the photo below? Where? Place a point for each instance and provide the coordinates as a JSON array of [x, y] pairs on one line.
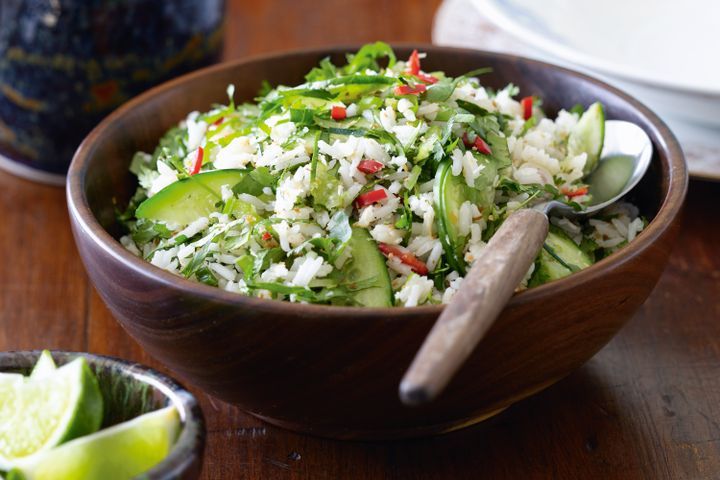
[[66, 64], [130, 390]]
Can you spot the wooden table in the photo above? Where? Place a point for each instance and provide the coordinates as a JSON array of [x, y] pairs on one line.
[[646, 407]]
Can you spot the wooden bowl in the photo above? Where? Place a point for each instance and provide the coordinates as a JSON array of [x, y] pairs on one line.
[[129, 390], [334, 371]]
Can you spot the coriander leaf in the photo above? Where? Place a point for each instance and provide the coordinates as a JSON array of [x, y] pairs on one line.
[[146, 230], [577, 109], [472, 108], [197, 261], [264, 258], [367, 57], [339, 228], [363, 80], [204, 275], [405, 220], [529, 123], [325, 71], [246, 263], [302, 117], [265, 88], [443, 89]]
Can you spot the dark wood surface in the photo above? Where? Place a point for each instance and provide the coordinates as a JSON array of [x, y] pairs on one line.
[[646, 407]]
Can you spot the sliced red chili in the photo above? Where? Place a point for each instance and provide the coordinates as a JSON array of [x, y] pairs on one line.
[[413, 68], [198, 161], [413, 63], [267, 236], [424, 77], [482, 146], [408, 90], [218, 121], [338, 113], [405, 256], [577, 192], [527, 105], [370, 166], [370, 197]]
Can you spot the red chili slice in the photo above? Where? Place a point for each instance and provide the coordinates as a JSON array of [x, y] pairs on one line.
[[405, 256], [413, 63], [338, 113], [527, 105], [424, 77], [218, 121], [370, 197], [198, 161], [482, 146], [370, 166], [577, 192], [408, 90]]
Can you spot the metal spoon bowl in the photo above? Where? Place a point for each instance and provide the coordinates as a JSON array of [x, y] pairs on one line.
[[505, 261]]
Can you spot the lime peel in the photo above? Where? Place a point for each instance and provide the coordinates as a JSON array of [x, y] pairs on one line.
[[44, 410], [117, 453]]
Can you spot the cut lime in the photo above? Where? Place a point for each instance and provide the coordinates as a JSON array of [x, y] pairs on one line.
[[44, 366], [120, 452], [44, 410]]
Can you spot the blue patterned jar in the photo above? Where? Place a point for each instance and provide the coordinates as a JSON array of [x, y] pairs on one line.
[[65, 64]]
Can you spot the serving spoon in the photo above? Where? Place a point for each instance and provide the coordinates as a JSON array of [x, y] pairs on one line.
[[506, 259]]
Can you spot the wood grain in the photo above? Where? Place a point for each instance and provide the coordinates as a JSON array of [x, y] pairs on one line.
[[645, 407], [483, 294]]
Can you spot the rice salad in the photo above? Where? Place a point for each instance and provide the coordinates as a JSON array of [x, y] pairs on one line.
[[372, 184]]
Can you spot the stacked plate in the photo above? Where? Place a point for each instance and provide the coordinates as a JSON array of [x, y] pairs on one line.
[[662, 51]]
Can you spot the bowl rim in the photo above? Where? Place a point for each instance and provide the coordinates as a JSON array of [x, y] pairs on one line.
[[191, 441], [88, 225]]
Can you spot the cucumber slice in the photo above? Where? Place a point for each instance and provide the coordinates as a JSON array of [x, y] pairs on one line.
[[588, 136], [450, 193], [188, 199], [368, 265], [559, 257]]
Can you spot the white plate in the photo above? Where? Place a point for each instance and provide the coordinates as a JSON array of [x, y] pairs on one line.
[[665, 48], [669, 44], [675, 71]]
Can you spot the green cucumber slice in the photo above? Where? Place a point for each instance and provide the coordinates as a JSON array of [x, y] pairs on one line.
[[188, 199], [368, 265], [588, 136], [450, 193], [559, 257]]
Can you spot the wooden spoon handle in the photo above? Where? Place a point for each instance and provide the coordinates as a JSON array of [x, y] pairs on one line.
[[482, 295]]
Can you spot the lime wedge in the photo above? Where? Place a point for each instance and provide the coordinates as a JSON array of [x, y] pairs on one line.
[[120, 452], [47, 409], [44, 366]]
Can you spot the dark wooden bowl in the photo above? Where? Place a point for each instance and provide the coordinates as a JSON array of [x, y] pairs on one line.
[[129, 390], [334, 371]]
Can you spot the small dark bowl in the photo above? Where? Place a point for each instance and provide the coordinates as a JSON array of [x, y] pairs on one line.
[[335, 371], [129, 390]]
